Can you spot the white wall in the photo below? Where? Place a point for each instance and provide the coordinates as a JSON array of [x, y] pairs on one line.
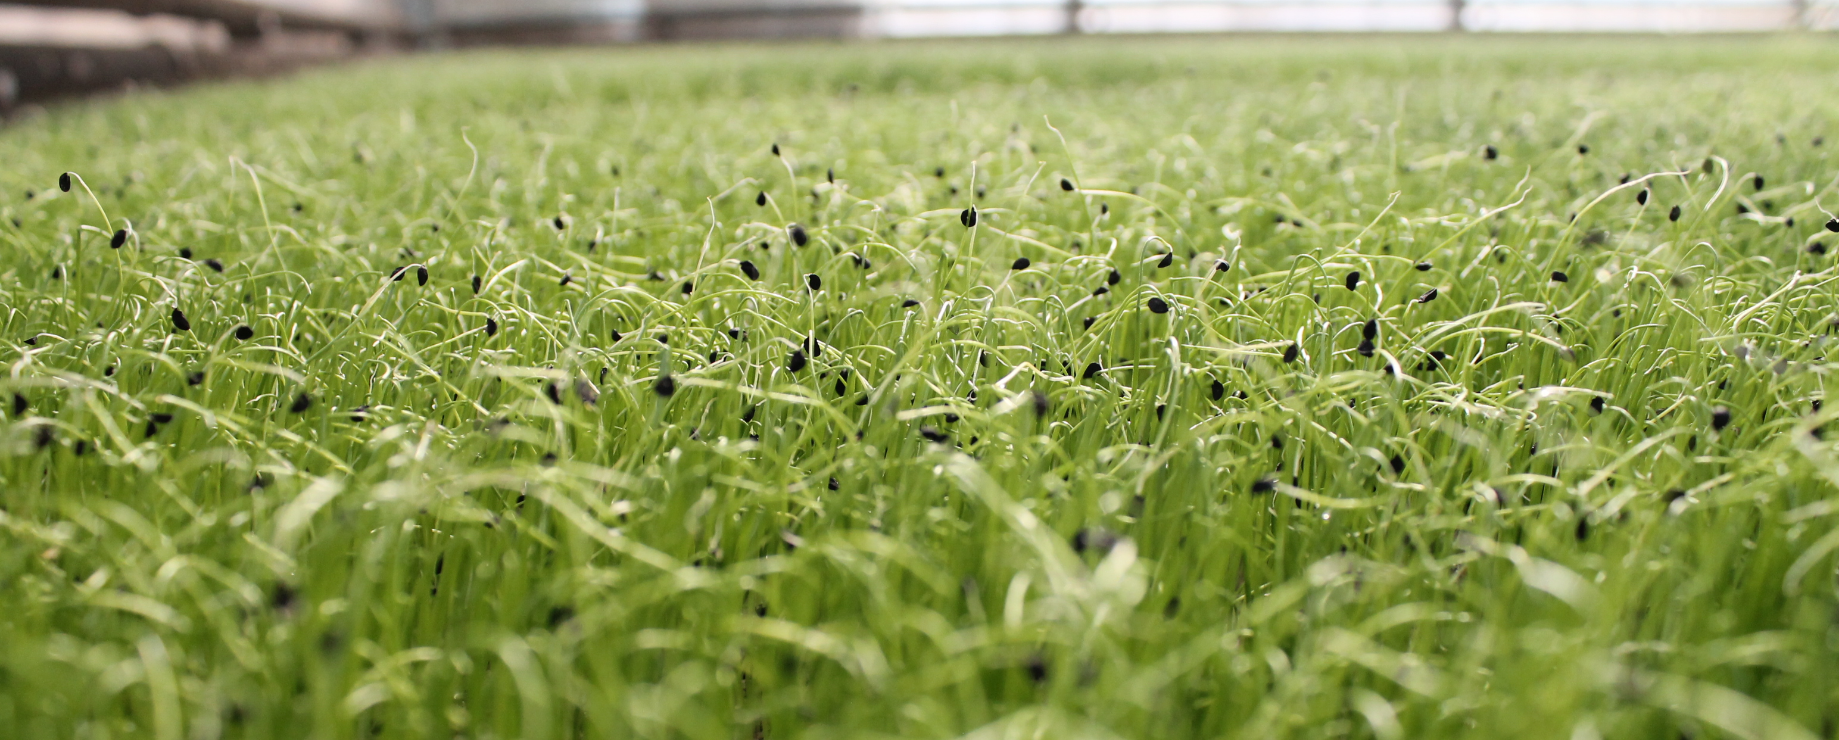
[[487, 12], [911, 18], [903, 18]]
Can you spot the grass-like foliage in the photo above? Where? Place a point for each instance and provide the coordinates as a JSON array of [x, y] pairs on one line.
[[1153, 388]]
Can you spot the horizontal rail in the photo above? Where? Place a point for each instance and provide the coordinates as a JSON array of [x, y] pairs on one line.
[[245, 17]]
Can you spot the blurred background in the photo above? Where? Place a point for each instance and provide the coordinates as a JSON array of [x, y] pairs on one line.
[[50, 48]]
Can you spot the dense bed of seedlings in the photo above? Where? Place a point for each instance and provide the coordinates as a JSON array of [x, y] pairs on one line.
[[1151, 388]]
